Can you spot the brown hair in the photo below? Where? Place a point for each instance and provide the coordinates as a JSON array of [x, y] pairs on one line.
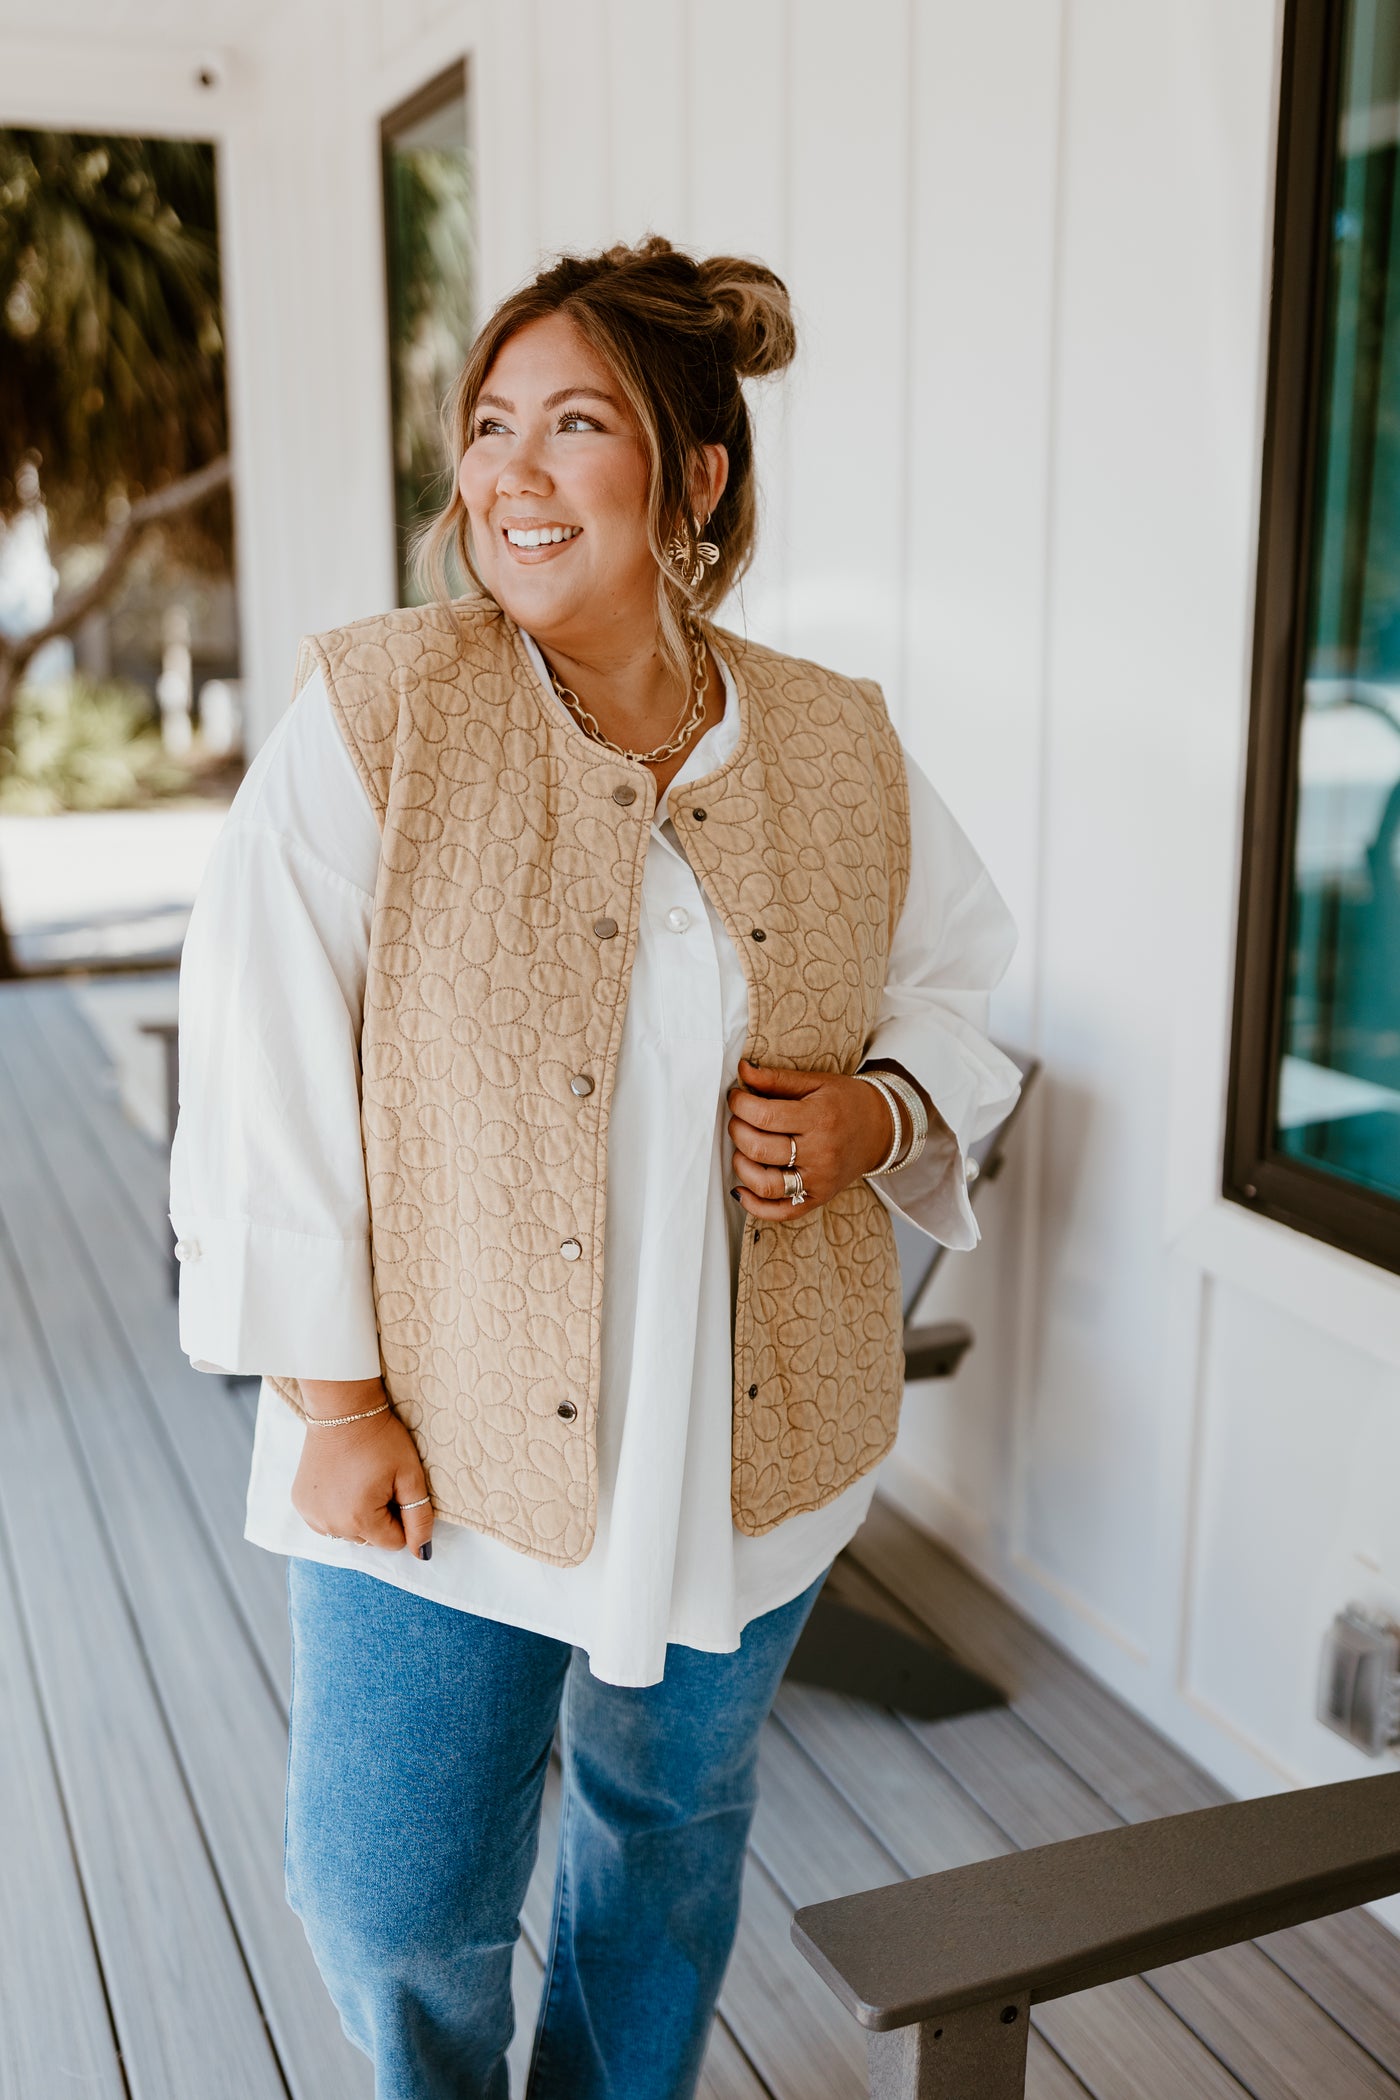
[[679, 337]]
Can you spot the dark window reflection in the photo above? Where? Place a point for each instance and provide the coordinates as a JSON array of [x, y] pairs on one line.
[[1339, 1087], [430, 239]]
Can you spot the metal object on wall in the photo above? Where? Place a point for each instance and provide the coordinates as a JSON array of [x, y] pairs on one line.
[[1358, 1687]]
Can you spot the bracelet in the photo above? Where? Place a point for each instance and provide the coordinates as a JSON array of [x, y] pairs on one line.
[[880, 1083], [339, 1421], [918, 1118]]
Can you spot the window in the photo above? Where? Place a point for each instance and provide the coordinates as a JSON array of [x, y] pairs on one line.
[[1314, 1124], [430, 272]]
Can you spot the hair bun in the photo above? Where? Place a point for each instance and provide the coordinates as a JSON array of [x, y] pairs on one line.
[[755, 312]]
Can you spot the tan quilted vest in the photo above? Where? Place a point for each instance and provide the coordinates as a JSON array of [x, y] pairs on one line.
[[504, 930]]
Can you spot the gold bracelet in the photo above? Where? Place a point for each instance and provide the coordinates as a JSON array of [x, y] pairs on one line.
[[339, 1421]]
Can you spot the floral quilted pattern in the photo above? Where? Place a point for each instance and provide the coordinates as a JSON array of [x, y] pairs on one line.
[[504, 932]]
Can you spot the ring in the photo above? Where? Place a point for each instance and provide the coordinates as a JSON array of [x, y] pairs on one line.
[[792, 1156], [421, 1503], [793, 1186]]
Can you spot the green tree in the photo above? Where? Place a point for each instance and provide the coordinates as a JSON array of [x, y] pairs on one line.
[[113, 412]]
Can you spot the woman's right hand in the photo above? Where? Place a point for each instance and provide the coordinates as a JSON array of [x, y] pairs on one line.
[[356, 1480]]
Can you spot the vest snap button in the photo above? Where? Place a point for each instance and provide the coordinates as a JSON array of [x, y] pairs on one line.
[[753, 1392], [699, 815], [566, 1410], [759, 934], [580, 1084], [605, 928], [625, 795], [571, 1249]]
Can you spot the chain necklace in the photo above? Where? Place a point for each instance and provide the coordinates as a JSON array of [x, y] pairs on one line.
[[692, 715]]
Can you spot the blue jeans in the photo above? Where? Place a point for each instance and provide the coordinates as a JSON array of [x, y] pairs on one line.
[[419, 1745]]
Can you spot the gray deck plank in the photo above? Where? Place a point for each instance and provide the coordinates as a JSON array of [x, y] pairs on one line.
[[1349, 1967], [185, 2013], [228, 1730], [55, 2030], [124, 1183]]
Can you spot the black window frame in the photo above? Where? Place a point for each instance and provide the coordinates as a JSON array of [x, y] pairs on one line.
[[1257, 1174], [452, 84]]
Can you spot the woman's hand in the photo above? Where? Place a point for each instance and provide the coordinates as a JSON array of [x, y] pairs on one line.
[[357, 1480], [842, 1128]]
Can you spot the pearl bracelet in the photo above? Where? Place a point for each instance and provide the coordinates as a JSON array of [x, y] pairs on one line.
[[880, 1082], [918, 1118]]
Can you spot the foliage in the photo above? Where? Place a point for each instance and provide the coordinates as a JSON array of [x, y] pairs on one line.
[[111, 337], [432, 296], [84, 745]]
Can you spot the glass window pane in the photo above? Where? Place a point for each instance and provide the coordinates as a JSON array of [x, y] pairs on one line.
[[1339, 1085], [430, 237]]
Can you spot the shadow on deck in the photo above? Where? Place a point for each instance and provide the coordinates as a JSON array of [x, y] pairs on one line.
[[145, 1946]]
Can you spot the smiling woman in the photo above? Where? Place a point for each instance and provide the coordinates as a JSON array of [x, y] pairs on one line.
[[595, 971]]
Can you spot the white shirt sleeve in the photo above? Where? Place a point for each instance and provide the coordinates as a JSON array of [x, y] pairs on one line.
[[267, 1174], [952, 945]]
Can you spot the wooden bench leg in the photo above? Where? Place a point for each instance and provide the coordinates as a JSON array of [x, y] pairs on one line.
[[976, 2054]]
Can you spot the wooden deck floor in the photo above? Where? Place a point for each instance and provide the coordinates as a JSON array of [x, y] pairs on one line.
[[145, 1947]]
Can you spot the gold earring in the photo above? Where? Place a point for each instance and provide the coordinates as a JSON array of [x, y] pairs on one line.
[[690, 556]]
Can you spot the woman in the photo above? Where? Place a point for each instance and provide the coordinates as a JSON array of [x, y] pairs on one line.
[[565, 972]]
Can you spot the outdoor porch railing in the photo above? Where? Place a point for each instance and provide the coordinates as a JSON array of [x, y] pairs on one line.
[[943, 1970]]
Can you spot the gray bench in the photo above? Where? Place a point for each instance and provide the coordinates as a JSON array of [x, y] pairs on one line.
[[943, 1970]]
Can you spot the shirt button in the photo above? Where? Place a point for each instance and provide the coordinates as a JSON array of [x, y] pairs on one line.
[[187, 1250], [605, 928], [678, 918], [580, 1084], [571, 1249], [566, 1410], [972, 1170], [625, 795]]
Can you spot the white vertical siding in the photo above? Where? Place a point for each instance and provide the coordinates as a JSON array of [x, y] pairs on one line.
[[1015, 477]]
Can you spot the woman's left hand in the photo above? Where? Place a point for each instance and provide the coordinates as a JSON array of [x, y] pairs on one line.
[[842, 1128]]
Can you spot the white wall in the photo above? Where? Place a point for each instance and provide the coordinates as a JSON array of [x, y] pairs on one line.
[[1016, 478]]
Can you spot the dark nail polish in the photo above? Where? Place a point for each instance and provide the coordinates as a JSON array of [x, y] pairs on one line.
[[735, 1194], [425, 1551]]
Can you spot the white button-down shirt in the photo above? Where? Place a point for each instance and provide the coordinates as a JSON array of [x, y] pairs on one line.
[[269, 1201]]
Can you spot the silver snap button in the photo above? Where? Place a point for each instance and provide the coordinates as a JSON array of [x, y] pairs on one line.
[[625, 795], [678, 918], [566, 1410], [699, 815], [759, 934], [605, 928], [580, 1084], [571, 1249]]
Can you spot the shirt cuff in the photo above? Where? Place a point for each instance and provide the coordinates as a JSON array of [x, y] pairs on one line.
[[259, 1301], [972, 1094]]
